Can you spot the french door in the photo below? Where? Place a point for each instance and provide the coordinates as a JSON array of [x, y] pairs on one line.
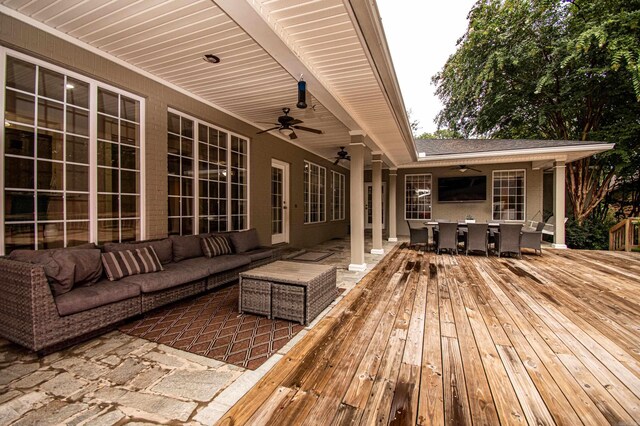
[[279, 202]]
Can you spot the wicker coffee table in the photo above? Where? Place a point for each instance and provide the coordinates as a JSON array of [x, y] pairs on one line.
[[288, 290]]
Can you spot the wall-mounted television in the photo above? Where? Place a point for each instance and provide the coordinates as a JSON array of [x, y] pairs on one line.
[[462, 189]]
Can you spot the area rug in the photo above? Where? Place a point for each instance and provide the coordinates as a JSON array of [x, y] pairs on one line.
[[311, 256], [211, 326]]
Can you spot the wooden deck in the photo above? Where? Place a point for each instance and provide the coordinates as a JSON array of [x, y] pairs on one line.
[[441, 339]]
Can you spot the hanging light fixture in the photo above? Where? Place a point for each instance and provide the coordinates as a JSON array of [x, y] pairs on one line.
[[302, 94]]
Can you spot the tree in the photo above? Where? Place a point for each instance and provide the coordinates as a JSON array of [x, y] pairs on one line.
[[550, 69], [440, 134], [414, 123]]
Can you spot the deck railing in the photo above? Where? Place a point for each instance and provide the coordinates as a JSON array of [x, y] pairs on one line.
[[625, 235]]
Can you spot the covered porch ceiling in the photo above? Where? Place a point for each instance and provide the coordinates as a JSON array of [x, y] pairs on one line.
[[264, 47]]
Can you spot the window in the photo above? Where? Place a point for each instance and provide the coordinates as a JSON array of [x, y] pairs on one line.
[[508, 195], [417, 197], [180, 175], [219, 201], [338, 205], [48, 197], [315, 178]]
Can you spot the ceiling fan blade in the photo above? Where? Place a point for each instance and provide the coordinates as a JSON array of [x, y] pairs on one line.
[[293, 135], [268, 122], [348, 158], [475, 170], [336, 162], [308, 129], [295, 121], [268, 130]]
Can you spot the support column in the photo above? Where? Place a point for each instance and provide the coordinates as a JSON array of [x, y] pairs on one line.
[[376, 200], [559, 204], [393, 237], [356, 202]]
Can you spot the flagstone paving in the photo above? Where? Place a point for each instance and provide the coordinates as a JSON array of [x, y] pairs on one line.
[[119, 379]]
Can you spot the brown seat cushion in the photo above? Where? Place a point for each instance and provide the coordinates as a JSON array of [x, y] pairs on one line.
[[226, 262], [163, 248], [101, 293], [185, 247], [174, 274], [244, 240], [259, 254]]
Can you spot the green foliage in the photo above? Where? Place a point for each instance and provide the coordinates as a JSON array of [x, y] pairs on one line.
[[440, 134], [592, 234], [551, 69]]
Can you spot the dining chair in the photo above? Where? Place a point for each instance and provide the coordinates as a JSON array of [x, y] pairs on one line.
[[418, 235], [532, 240], [446, 236], [508, 238], [477, 238]]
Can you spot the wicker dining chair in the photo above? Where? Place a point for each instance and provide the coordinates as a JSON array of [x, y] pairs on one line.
[[533, 239], [445, 236], [418, 235], [477, 238], [508, 238]]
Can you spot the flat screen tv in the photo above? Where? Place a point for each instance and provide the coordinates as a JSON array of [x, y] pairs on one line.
[[462, 189]]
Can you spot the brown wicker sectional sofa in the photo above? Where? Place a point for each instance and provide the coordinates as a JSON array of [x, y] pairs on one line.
[[36, 315]]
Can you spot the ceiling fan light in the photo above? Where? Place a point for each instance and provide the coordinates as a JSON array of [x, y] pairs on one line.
[[286, 131], [463, 169]]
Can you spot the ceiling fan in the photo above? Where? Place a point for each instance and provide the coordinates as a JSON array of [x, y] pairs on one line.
[[463, 168], [342, 155], [286, 125]]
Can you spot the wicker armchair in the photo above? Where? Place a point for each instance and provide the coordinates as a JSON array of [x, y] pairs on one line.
[[477, 238], [508, 238], [446, 237], [418, 236]]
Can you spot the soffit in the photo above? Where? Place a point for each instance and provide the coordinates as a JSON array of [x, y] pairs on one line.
[[167, 38], [324, 36]]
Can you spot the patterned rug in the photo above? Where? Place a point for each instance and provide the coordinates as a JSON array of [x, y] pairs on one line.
[[211, 326]]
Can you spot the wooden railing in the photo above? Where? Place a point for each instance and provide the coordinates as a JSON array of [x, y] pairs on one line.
[[625, 235]]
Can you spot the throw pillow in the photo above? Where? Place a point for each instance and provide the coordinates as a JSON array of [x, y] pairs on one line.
[[185, 247], [245, 240], [215, 246], [163, 248], [119, 264]]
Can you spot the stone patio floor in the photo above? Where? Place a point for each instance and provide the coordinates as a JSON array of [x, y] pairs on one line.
[[117, 379]]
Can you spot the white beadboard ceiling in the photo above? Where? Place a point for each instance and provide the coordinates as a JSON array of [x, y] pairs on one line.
[[167, 38]]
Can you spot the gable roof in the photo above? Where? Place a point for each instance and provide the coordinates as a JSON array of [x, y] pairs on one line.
[[541, 153]]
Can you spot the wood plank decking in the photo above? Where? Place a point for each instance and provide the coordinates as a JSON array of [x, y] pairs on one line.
[[441, 339]]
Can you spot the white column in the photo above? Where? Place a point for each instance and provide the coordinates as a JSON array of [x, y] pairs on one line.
[[356, 202], [376, 200], [393, 237], [559, 204]]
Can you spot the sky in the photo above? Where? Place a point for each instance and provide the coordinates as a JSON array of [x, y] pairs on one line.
[[421, 35]]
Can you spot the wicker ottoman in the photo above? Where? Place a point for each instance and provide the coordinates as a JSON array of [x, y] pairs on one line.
[[288, 290]]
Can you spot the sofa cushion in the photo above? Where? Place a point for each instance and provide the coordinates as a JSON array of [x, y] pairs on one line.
[[163, 248], [185, 247], [259, 254], [227, 262], [174, 274], [102, 293], [215, 245], [64, 268], [120, 264], [244, 240]]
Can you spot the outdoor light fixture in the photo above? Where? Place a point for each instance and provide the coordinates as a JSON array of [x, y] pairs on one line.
[[286, 131], [212, 59], [302, 94]]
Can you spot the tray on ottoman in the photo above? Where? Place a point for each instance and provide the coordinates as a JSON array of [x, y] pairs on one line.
[[288, 290]]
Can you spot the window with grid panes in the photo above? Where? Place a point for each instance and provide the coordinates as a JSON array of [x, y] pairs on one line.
[[222, 177], [338, 186], [509, 188], [180, 175], [315, 178], [417, 197], [47, 150]]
